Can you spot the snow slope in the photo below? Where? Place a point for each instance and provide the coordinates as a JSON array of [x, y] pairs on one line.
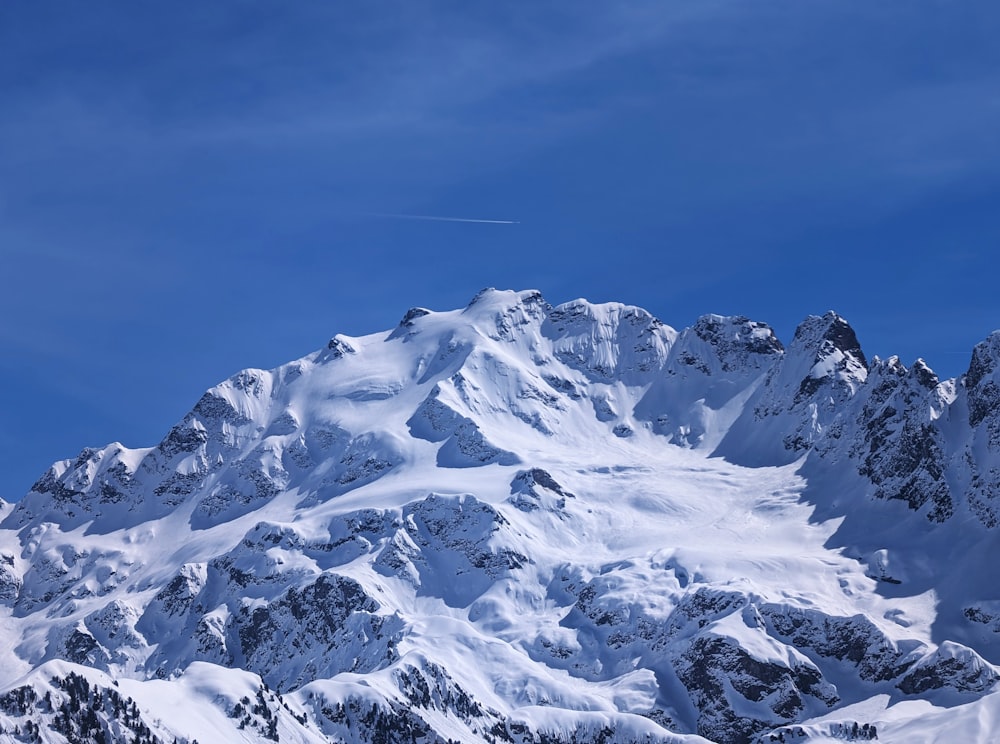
[[523, 523]]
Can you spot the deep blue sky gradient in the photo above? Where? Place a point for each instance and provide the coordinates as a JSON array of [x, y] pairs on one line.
[[190, 189]]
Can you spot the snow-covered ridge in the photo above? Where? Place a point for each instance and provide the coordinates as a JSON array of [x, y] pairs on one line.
[[518, 522]]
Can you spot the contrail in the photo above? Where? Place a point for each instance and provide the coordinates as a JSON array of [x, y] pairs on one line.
[[444, 219]]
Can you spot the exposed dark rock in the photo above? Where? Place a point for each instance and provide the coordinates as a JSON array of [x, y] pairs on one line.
[[412, 314], [855, 639], [736, 339]]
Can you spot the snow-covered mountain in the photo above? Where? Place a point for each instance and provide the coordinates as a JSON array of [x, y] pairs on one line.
[[523, 523]]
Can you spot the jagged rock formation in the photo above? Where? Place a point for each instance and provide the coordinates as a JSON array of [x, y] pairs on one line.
[[523, 523]]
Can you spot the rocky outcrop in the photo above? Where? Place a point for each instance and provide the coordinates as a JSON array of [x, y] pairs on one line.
[[801, 396], [710, 370], [537, 489], [608, 342], [982, 454], [726, 683], [464, 444], [895, 439], [444, 537]]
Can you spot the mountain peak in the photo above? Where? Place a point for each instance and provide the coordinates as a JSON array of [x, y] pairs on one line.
[[924, 374], [737, 338], [829, 335], [830, 347], [985, 359], [491, 298], [982, 380], [518, 522]]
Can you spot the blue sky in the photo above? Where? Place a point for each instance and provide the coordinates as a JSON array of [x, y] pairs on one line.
[[190, 189]]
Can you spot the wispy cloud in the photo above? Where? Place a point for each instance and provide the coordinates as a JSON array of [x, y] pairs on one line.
[[409, 68]]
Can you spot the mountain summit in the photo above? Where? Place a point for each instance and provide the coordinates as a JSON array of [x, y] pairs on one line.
[[525, 523]]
